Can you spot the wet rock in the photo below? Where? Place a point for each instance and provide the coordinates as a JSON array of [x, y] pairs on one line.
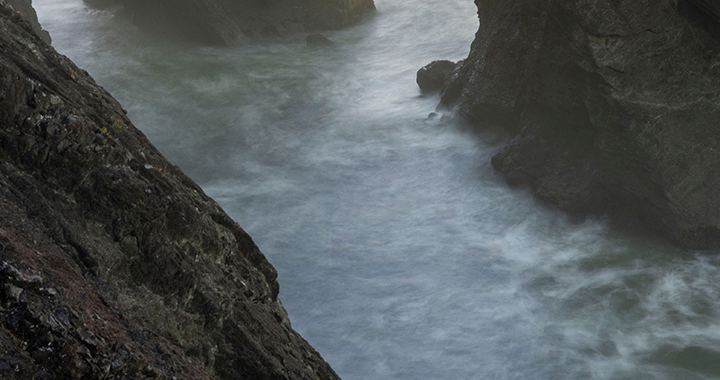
[[319, 40], [613, 107], [433, 76]]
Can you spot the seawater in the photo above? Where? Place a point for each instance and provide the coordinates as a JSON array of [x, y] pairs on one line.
[[401, 253]]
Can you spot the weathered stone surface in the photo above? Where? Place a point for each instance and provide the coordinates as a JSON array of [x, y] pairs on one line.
[[113, 263], [232, 22], [614, 105], [433, 76]]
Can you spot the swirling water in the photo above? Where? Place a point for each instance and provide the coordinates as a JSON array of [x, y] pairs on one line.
[[401, 254]]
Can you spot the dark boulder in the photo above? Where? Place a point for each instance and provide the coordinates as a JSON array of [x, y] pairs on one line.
[[113, 263], [433, 76], [614, 106]]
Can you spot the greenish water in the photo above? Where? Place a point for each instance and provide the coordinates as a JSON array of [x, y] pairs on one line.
[[401, 254]]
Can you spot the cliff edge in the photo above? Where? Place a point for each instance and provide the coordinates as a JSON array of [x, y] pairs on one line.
[[113, 263], [614, 105]]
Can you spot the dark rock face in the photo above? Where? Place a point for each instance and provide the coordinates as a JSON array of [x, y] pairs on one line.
[[232, 22], [705, 13], [113, 263], [615, 106], [434, 75]]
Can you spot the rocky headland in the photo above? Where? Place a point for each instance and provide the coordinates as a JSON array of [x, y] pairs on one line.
[[233, 22], [113, 263], [614, 107]]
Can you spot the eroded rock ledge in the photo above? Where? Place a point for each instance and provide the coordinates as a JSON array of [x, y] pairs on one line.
[[233, 22], [614, 105], [113, 263]]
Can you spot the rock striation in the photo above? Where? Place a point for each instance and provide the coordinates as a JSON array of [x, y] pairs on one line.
[[113, 263], [232, 22], [614, 105]]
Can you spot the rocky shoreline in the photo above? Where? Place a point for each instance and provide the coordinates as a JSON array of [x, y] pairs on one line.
[[113, 263], [614, 107]]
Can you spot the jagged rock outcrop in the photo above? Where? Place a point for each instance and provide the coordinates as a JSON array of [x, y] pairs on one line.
[[615, 106], [232, 22], [113, 263]]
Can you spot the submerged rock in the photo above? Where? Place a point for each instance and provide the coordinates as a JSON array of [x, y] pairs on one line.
[[28, 12], [434, 75], [231, 22], [614, 106], [319, 40], [113, 263]]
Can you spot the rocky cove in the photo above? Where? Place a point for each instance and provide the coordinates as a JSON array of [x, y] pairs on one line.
[[400, 250]]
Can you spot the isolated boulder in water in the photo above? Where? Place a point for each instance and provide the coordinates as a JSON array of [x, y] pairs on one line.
[[614, 105], [316, 39], [113, 263], [433, 76], [231, 22]]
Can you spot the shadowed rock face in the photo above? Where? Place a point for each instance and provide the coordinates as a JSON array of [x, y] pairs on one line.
[[113, 263], [433, 76], [614, 105], [705, 13], [232, 22]]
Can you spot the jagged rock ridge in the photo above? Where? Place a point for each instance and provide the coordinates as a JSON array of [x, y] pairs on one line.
[[113, 263], [614, 106]]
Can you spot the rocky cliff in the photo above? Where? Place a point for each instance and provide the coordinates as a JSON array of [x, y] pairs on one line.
[[614, 105], [232, 22], [113, 263]]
